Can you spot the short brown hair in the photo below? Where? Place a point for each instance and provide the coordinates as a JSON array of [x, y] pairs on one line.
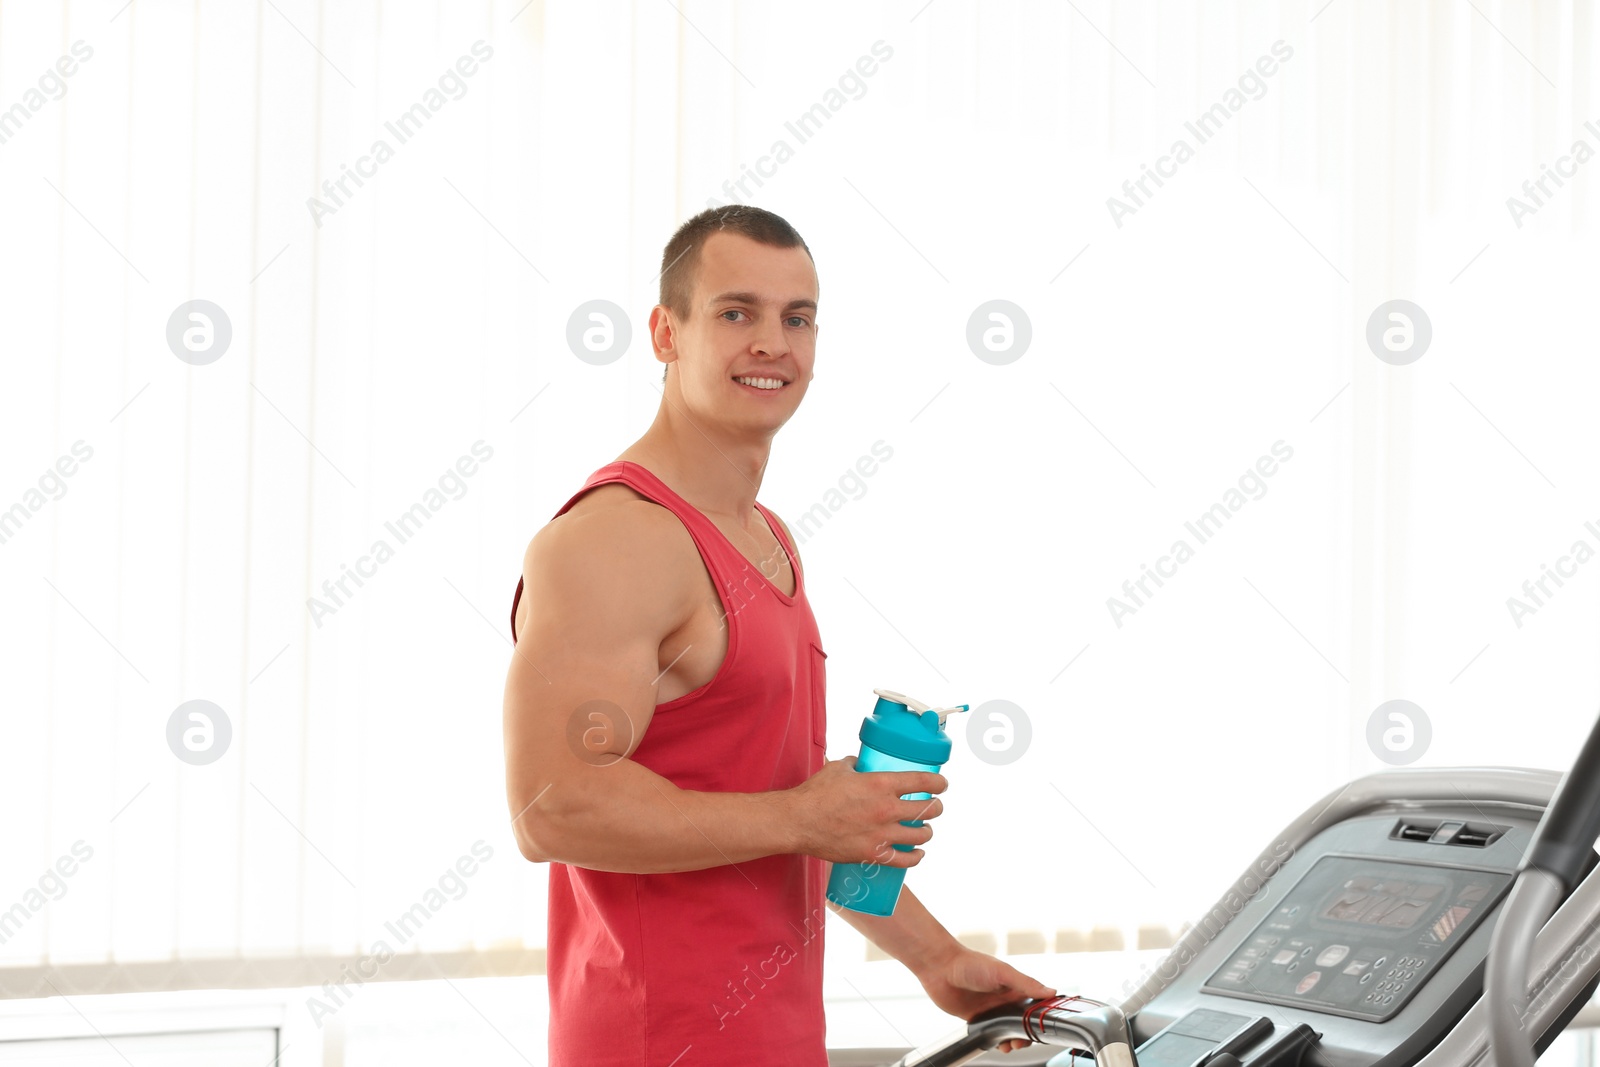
[[681, 257]]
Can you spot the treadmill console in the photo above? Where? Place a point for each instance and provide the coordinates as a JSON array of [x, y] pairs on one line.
[[1371, 936], [1359, 945], [1357, 936]]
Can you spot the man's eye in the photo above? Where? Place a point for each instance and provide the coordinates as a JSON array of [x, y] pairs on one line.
[[733, 311], [800, 320]]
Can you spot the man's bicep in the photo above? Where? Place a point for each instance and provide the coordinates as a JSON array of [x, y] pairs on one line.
[[582, 684]]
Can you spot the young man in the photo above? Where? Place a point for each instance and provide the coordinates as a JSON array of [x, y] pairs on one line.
[[664, 711]]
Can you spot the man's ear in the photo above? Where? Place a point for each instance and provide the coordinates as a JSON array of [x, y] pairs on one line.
[[660, 324]]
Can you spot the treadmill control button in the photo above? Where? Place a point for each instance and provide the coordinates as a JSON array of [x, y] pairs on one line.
[[1366, 978], [1332, 955], [1308, 983]]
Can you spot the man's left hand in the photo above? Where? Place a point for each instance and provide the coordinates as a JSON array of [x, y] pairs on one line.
[[967, 982]]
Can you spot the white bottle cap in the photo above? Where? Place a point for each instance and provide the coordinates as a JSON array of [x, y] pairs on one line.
[[917, 707]]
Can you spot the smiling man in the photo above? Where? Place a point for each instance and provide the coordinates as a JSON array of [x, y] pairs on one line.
[[665, 721]]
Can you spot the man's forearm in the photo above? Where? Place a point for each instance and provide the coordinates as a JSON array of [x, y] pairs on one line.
[[625, 817], [911, 935]]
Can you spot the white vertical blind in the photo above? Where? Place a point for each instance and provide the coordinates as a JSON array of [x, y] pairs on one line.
[[421, 318]]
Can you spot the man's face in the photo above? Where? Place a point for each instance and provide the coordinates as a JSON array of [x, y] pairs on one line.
[[753, 314]]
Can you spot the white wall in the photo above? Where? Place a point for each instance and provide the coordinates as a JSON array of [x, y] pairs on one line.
[[429, 312]]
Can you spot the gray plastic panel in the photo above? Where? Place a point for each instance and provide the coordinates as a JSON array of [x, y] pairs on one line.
[[1358, 820]]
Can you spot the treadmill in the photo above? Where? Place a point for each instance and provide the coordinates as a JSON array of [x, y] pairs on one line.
[[1359, 938]]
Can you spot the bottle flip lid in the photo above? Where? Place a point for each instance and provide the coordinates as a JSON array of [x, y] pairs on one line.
[[908, 729]]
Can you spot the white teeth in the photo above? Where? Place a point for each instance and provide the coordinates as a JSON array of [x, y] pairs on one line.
[[761, 383]]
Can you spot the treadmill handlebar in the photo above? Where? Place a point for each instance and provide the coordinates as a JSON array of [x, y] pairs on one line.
[[1101, 1031], [1551, 869], [1571, 823]]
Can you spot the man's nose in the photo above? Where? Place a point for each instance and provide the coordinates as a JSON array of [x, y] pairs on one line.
[[770, 340]]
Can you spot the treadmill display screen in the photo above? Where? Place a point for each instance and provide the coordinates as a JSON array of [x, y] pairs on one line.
[[1397, 905], [1358, 937]]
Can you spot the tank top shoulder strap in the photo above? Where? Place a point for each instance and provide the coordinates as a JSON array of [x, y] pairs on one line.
[[782, 533], [646, 484], [714, 547], [632, 475]]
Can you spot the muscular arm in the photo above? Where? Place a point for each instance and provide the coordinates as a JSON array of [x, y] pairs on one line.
[[911, 935], [599, 596]]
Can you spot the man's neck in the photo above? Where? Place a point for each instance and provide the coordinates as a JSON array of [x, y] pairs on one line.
[[719, 476]]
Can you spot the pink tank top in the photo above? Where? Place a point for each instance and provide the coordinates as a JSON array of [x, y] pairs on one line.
[[723, 965]]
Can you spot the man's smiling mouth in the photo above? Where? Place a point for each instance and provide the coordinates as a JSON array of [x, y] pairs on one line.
[[770, 385]]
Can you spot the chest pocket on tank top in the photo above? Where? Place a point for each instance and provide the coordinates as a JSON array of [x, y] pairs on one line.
[[819, 695]]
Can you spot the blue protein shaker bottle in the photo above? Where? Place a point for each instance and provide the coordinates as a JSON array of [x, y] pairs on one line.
[[901, 734]]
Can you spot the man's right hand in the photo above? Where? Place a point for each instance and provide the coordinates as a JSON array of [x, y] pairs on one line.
[[850, 817]]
